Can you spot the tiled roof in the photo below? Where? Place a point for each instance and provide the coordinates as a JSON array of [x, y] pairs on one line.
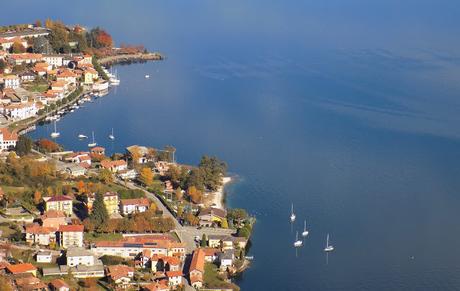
[[21, 268], [119, 271], [198, 260], [71, 228], [53, 214], [136, 201], [59, 198], [174, 274], [58, 283], [7, 135]]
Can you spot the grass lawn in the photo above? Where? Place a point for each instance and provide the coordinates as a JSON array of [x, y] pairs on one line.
[[40, 87], [93, 237], [22, 255], [212, 279], [6, 230]]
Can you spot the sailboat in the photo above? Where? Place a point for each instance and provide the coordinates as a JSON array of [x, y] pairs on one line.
[[114, 81], [292, 213], [111, 136], [328, 248], [298, 242], [305, 231], [93, 144], [55, 133]]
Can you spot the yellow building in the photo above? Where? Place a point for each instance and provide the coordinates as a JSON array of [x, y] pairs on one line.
[[60, 203], [90, 75], [110, 202]]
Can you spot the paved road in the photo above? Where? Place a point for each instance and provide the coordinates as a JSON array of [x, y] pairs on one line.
[[186, 234]]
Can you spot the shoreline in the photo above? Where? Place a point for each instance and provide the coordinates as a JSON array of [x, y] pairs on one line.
[[130, 58], [219, 194]]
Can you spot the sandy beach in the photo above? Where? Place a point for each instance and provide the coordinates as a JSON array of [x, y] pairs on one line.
[[217, 197]]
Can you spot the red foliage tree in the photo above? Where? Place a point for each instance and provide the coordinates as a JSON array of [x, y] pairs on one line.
[[104, 39]]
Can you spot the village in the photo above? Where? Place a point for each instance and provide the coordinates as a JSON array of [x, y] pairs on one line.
[[81, 220]]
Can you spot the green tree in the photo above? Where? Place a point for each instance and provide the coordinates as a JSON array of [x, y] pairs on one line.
[[204, 241], [23, 145], [105, 176], [99, 215], [213, 170]]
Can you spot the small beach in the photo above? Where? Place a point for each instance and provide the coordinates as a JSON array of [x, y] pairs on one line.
[[217, 197]]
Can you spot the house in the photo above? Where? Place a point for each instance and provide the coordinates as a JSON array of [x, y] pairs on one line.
[[224, 242], [157, 286], [70, 235], [8, 139], [25, 58], [25, 268], [60, 202], [89, 76], [212, 215], [80, 256], [53, 219], [59, 285], [11, 81], [59, 86], [6, 44], [54, 60], [129, 206], [131, 247], [37, 234], [197, 268], [30, 283], [211, 254], [44, 257], [174, 278], [159, 263], [67, 76], [114, 166], [120, 274], [27, 76], [161, 167], [98, 150], [21, 110], [141, 154], [226, 259], [129, 174], [74, 170], [110, 202], [79, 157]]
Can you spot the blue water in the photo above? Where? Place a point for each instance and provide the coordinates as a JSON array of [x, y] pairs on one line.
[[348, 109]]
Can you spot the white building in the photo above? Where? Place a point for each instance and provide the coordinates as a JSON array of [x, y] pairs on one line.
[[11, 81], [20, 110], [7, 139], [54, 60], [130, 206], [44, 257], [71, 235], [77, 256]]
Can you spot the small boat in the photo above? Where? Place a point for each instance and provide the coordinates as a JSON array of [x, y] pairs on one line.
[[111, 136], [328, 248], [249, 258], [147, 76], [55, 133], [297, 242], [292, 213], [305, 231], [82, 136], [93, 144]]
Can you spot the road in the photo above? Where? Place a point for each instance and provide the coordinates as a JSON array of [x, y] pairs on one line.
[[186, 234]]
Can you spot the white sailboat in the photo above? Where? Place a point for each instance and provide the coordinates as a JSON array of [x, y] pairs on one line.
[[55, 133], [305, 231], [111, 136], [328, 248], [93, 144], [297, 242], [292, 213], [114, 81]]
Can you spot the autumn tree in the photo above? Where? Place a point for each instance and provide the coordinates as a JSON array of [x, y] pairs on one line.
[[146, 176], [18, 48], [178, 194], [105, 176], [195, 194], [99, 215], [192, 219], [38, 23], [5, 284], [37, 197], [48, 146], [81, 187]]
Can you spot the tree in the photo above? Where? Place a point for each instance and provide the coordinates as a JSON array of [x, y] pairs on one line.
[[224, 223], [105, 176], [238, 215], [213, 170], [2, 66], [196, 179], [146, 176], [18, 48], [99, 215], [23, 145], [47, 145], [195, 194], [178, 194], [192, 219], [38, 23], [37, 197], [81, 187], [204, 240], [5, 284]]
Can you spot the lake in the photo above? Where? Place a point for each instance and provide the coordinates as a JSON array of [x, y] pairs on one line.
[[348, 109]]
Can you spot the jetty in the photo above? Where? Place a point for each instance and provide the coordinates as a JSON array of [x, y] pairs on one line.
[[130, 58]]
